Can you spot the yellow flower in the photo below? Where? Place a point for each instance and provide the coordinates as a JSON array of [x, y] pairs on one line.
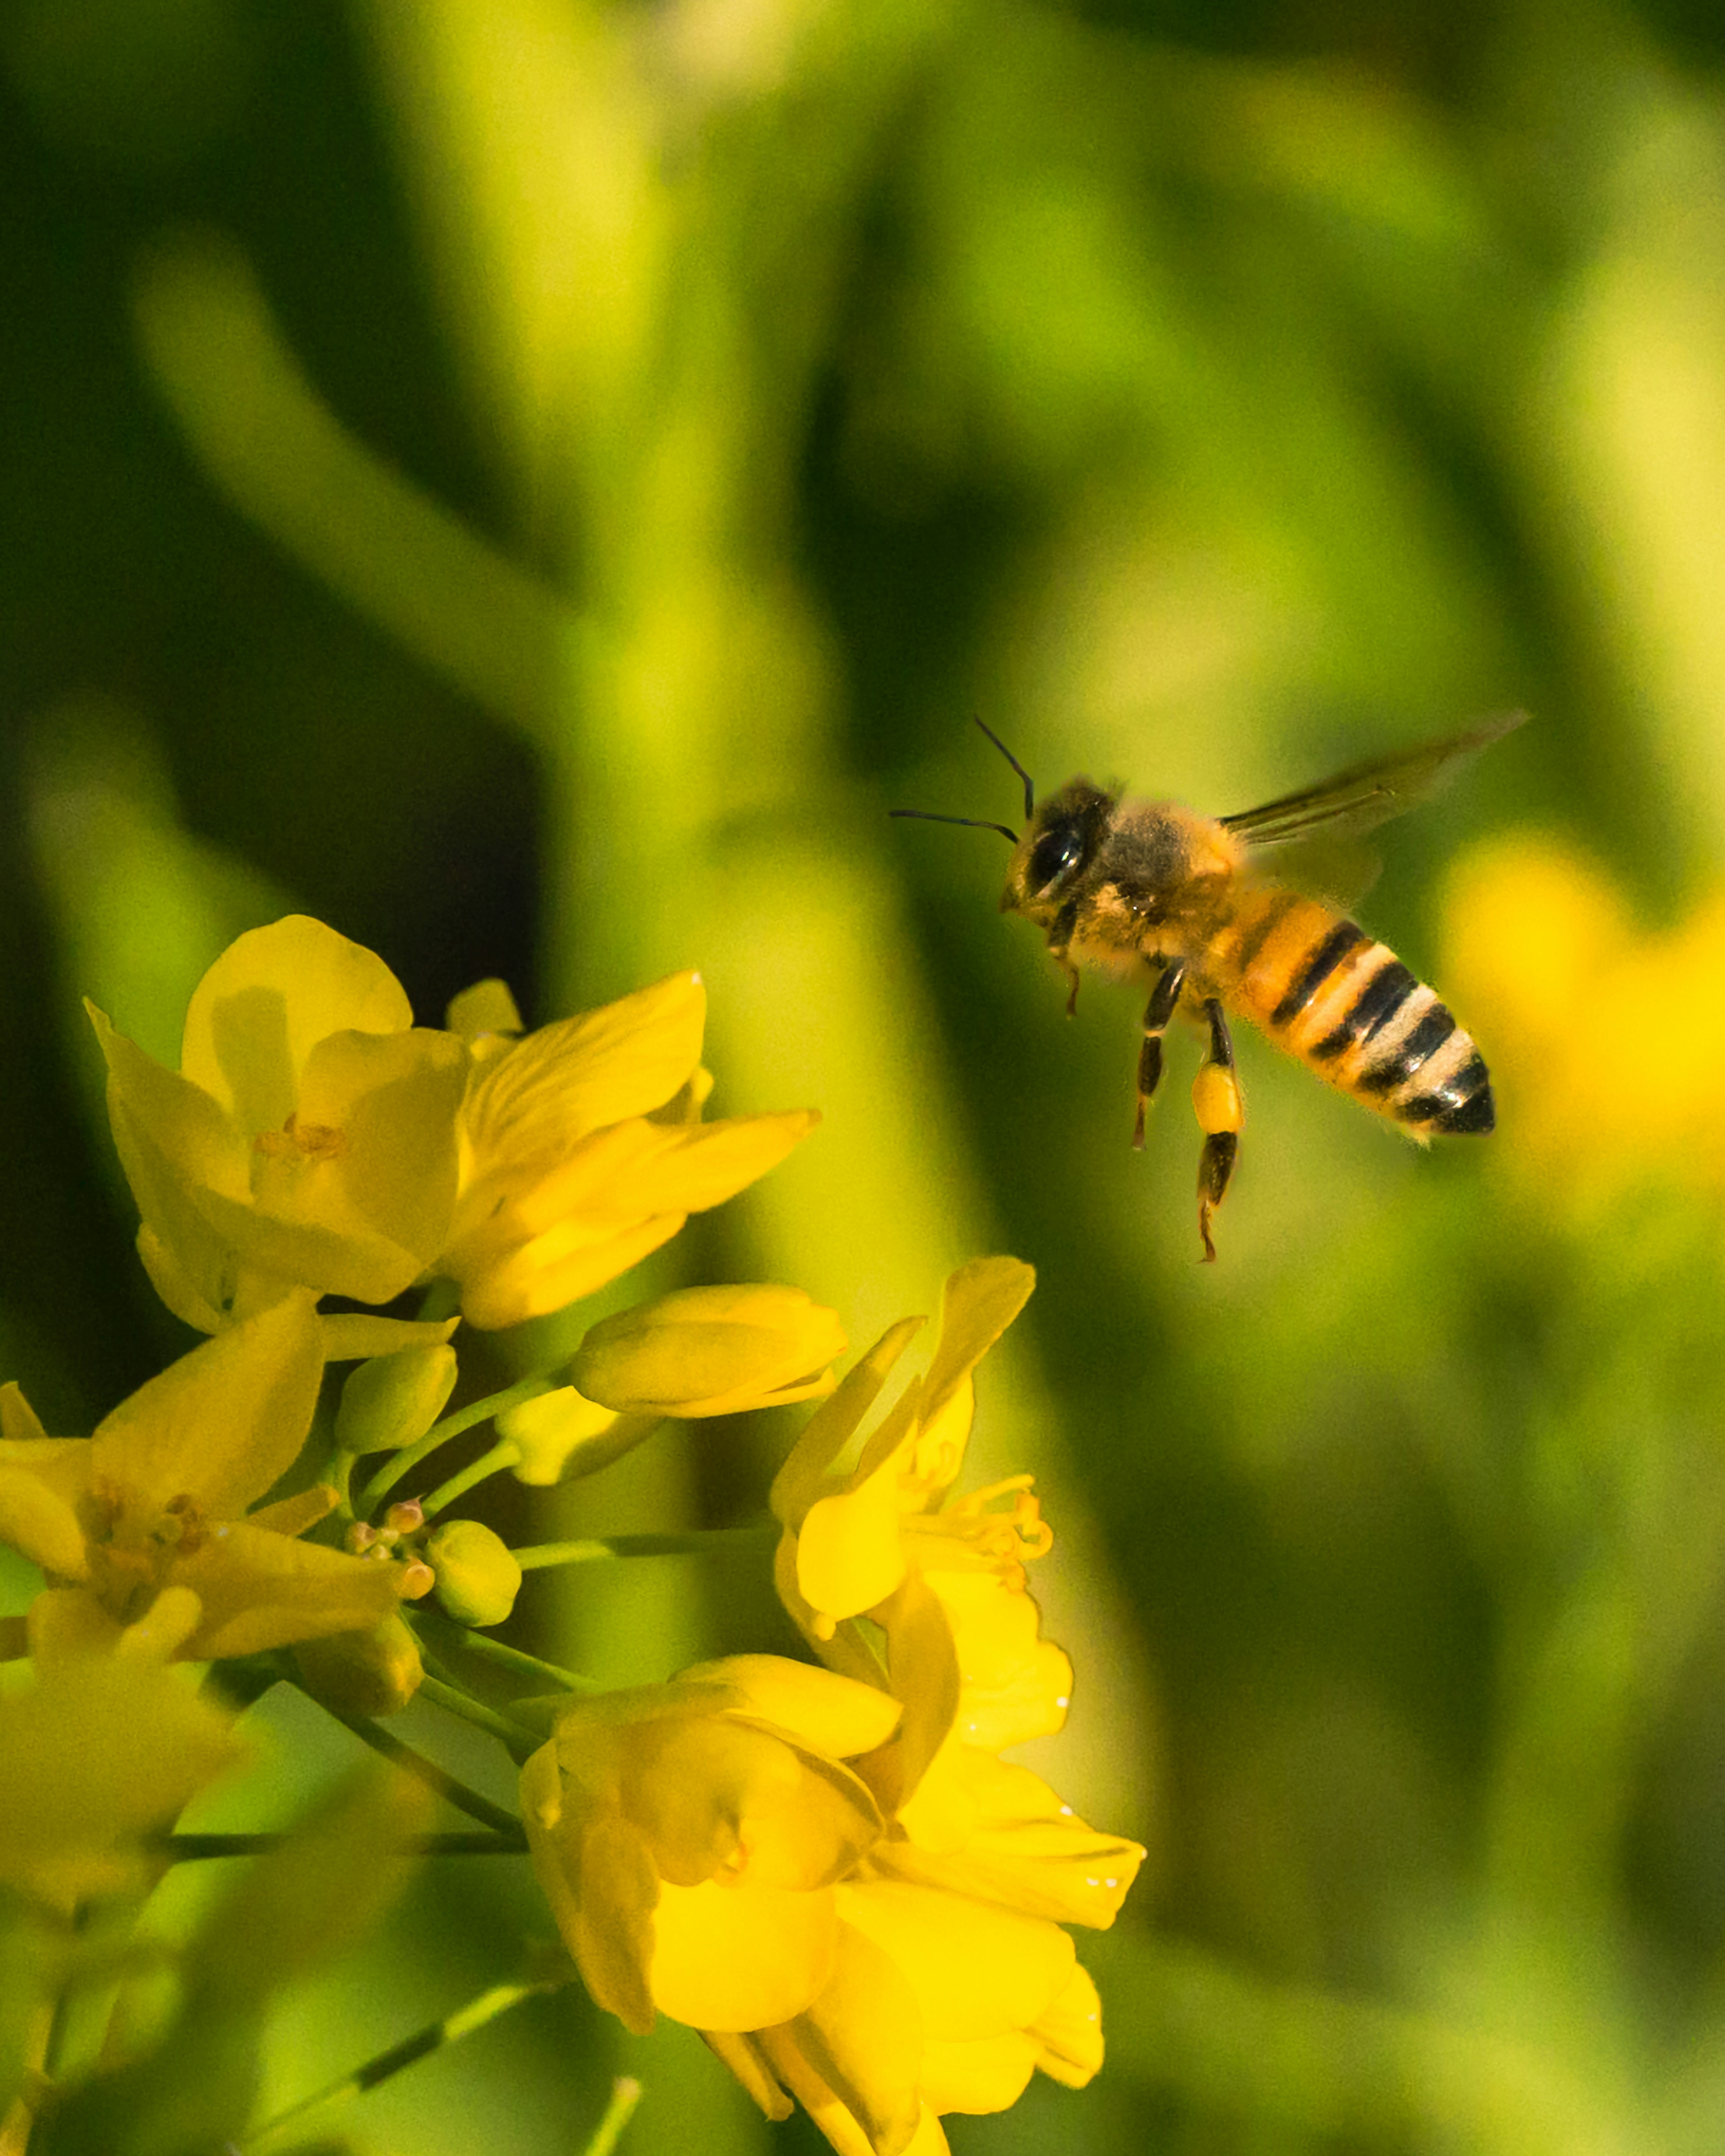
[[954, 1982], [142, 1528], [710, 1351], [307, 1139], [94, 1755], [583, 1150], [688, 1837], [1540, 942]]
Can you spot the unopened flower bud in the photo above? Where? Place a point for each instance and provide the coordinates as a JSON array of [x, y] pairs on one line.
[[374, 1672], [707, 1351], [394, 1399], [416, 1580], [359, 1537], [406, 1517], [550, 1433], [477, 1576]]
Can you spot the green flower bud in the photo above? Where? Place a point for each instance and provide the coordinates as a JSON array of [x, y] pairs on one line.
[[394, 1399], [708, 1351], [374, 1672], [477, 1577]]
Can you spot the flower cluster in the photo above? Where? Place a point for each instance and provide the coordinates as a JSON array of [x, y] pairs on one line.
[[832, 1873], [828, 1868], [315, 1138]]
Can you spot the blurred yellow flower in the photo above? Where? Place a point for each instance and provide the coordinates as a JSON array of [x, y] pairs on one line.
[[710, 1351], [688, 1836], [309, 1137], [582, 1149], [1541, 947], [94, 1755], [142, 1528]]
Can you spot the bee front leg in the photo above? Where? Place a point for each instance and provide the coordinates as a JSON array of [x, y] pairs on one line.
[[1060, 943], [1164, 997], [1221, 1109]]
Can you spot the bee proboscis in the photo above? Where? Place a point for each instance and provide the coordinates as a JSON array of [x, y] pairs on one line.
[[1152, 891]]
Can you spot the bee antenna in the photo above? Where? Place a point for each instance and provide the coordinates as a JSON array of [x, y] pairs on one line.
[[1030, 790], [975, 822]]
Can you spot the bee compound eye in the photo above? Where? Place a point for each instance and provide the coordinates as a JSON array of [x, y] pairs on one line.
[[1054, 853]]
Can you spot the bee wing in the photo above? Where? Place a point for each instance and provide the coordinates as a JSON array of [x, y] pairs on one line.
[[1367, 794]]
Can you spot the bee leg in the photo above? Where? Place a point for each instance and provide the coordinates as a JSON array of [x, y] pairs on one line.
[[1059, 941], [1160, 1009], [1220, 1110]]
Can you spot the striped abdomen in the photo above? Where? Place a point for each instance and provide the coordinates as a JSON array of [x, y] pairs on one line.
[[1350, 1011]]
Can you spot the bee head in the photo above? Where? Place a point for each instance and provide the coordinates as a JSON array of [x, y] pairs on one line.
[[1058, 845]]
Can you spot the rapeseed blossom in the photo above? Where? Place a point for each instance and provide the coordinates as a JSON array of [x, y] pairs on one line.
[[689, 1837], [315, 1138], [143, 1529], [899, 1952]]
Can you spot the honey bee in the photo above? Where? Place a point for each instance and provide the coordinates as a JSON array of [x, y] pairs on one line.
[[1154, 892]]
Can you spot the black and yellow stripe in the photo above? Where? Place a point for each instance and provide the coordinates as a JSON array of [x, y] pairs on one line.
[[1349, 1009]]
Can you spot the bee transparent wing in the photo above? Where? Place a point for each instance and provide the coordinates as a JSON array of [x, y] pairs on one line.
[[1367, 794]]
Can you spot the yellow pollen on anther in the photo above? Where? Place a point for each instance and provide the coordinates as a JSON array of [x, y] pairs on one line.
[[307, 1140]]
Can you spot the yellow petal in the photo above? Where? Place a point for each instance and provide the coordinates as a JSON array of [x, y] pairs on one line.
[[1069, 2034], [351, 1336], [851, 1552], [173, 1280], [505, 1282], [19, 1422], [979, 1301], [925, 1675], [263, 1007], [68, 1623], [990, 2073], [739, 1957], [163, 1629], [605, 1066], [224, 1422], [96, 1754], [260, 1590], [864, 2037], [977, 1971], [486, 1008], [821, 1711], [293, 1516], [744, 2057], [802, 1478], [548, 1430], [1016, 1685], [42, 1480], [981, 1827]]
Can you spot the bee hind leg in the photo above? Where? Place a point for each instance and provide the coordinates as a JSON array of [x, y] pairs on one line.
[[1220, 1109], [1164, 998]]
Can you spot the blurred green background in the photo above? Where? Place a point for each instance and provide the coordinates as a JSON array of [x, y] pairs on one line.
[[533, 483]]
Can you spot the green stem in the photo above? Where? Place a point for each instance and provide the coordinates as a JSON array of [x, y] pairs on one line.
[[625, 2095], [698, 1542], [447, 1786], [454, 1700], [451, 2029], [191, 1848], [457, 1639], [468, 1417], [505, 1453]]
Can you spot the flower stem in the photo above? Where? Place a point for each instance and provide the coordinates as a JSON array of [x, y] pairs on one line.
[[457, 1639], [697, 1541], [468, 1417], [454, 1700], [451, 2029], [436, 1778], [191, 1848], [625, 2095], [505, 1453]]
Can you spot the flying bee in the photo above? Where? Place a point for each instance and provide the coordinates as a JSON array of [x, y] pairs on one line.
[[1153, 892]]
